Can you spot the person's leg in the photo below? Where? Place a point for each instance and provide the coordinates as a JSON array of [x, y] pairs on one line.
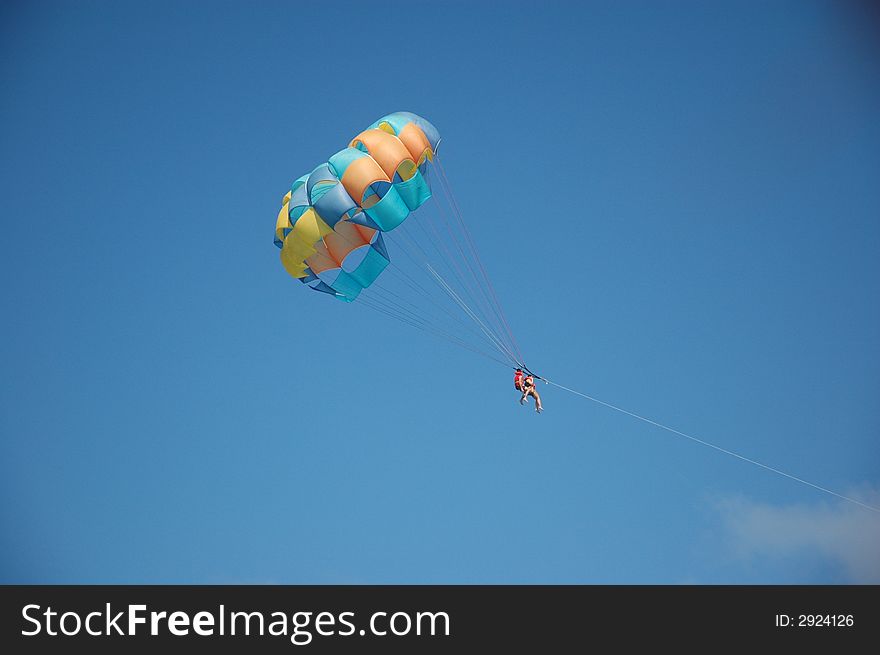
[[534, 392]]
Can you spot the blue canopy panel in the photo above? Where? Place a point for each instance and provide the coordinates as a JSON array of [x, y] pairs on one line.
[[299, 199], [328, 196], [414, 191], [359, 269], [390, 210]]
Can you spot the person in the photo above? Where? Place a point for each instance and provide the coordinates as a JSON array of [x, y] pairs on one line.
[[517, 379], [528, 389]]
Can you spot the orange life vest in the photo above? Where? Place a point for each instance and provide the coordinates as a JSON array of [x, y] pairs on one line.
[[517, 380]]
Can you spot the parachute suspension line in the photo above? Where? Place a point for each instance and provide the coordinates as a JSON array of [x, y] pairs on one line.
[[367, 302], [445, 286], [406, 304], [407, 279], [447, 187], [497, 343], [378, 305], [381, 297], [468, 310], [374, 303], [719, 448], [469, 283], [387, 298], [457, 271], [480, 300], [440, 258], [488, 331], [406, 231], [376, 297]]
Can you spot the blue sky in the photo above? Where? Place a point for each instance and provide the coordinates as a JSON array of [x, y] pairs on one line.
[[678, 207]]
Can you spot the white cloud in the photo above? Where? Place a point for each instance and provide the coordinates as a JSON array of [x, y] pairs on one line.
[[843, 533]]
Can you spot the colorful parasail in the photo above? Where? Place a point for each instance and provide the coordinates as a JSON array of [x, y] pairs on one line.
[[331, 221]]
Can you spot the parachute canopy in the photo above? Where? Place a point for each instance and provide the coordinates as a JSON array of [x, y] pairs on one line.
[[336, 220], [331, 221]]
